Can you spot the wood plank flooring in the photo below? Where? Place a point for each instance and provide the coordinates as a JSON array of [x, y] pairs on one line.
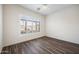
[[43, 45]]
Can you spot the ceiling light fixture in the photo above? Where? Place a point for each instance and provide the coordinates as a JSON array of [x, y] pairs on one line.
[[38, 9], [43, 7]]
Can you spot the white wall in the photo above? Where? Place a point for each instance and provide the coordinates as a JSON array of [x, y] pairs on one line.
[[0, 28], [64, 24], [12, 34]]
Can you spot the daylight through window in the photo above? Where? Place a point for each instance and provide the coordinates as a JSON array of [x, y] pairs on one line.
[[29, 26]]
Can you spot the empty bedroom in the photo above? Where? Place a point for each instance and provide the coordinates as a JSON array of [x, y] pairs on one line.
[[39, 29]]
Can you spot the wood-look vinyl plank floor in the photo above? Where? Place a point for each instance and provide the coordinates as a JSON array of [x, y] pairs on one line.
[[43, 45]]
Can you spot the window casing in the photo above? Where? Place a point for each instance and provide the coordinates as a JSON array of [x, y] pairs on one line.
[[29, 26]]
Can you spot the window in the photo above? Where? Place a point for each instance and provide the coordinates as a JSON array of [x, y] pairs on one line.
[[29, 26], [34, 26], [23, 26]]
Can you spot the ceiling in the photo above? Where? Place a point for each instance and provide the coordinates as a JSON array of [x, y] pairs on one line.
[[44, 9]]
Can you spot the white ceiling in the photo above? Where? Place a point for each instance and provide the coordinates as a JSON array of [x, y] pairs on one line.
[[46, 9]]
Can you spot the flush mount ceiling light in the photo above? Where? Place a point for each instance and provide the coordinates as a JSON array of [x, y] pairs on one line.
[[38, 9], [42, 7]]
